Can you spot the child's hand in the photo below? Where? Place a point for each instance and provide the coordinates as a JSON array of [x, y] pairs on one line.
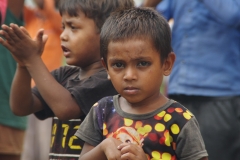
[[131, 151], [109, 147], [20, 44]]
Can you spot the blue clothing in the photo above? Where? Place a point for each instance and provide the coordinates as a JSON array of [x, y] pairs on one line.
[[206, 41]]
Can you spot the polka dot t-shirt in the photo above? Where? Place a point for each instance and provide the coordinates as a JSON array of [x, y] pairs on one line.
[[169, 133]]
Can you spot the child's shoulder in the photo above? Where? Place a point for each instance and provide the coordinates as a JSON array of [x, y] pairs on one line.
[[177, 107], [176, 114], [105, 104], [65, 72], [68, 68]]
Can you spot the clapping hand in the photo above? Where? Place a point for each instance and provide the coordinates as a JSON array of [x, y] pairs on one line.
[[22, 47]]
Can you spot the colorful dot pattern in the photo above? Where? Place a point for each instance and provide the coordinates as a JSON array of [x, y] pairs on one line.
[[157, 134]]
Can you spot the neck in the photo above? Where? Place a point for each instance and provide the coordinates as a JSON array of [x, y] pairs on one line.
[[145, 106], [91, 69]]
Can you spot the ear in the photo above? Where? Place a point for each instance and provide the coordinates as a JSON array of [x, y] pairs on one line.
[[105, 66], [168, 64]]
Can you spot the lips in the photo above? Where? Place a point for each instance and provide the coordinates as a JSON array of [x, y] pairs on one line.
[[66, 51], [131, 90]]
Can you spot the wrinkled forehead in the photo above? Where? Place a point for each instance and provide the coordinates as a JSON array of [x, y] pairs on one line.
[[127, 42], [131, 49]]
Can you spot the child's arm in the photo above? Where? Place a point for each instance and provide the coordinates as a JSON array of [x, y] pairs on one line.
[[28, 53], [21, 86], [106, 150], [21, 93]]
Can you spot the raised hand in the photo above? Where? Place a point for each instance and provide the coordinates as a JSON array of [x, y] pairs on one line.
[[21, 45], [130, 151]]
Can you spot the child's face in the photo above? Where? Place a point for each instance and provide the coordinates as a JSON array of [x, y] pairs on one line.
[[135, 69], [80, 40]]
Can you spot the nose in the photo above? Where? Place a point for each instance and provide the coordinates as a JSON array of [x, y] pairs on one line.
[[130, 74], [63, 36]]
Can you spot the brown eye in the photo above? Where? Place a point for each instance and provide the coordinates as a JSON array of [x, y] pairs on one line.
[[118, 65], [143, 64]]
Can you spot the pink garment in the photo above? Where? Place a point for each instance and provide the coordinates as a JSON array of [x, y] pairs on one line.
[[3, 8]]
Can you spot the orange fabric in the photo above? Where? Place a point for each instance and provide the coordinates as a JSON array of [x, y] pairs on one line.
[[50, 20]]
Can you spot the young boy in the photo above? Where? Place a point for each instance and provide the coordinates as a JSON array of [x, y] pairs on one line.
[[70, 91], [139, 123]]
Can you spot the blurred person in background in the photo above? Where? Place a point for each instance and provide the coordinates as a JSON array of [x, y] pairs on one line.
[[3, 8], [12, 128], [42, 14], [206, 77], [45, 15]]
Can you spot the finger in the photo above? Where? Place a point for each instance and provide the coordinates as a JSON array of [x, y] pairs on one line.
[[122, 145], [11, 34], [6, 39], [6, 44], [126, 149], [18, 32], [127, 156], [42, 44], [24, 30], [39, 37], [2, 41], [45, 38]]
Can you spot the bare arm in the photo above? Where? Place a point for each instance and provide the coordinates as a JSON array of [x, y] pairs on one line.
[[28, 53], [150, 3], [58, 98], [205, 158], [21, 94]]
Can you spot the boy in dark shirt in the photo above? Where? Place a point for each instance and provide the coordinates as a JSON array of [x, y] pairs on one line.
[[140, 123], [67, 93]]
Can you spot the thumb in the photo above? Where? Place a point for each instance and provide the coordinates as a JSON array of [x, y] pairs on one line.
[[39, 37], [44, 39]]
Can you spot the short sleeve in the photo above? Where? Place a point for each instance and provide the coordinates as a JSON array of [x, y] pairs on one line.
[[89, 131], [61, 75], [92, 90], [190, 144]]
